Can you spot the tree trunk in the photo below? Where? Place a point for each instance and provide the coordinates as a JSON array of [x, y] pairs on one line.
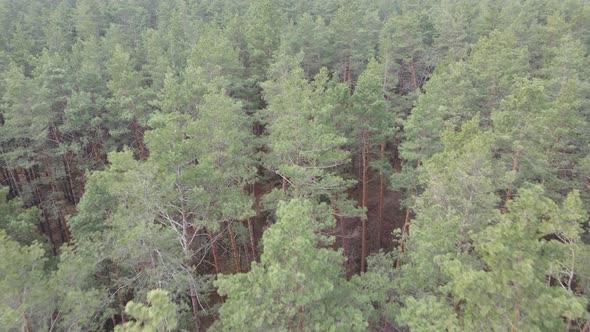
[[49, 233], [381, 194], [246, 255], [214, 252], [516, 313], [195, 305], [70, 182], [137, 132], [343, 235], [66, 232], [348, 74], [27, 324], [413, 71], [119, 294], [14, 177], [252, 245], [234, 247], [405, 230], [514, 168], [364, 205]]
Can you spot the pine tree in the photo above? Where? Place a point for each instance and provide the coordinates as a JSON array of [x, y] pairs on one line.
[[371, 126], [296, 286], [160, 316]]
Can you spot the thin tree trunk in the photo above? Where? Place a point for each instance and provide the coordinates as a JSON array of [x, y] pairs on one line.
[[405, 230], [246, 256], [27, 324], [214, 252], [234, 247], [516, 313], [514, 168], [49, 233], [66, 231], [252, 245], [14, 176], [343, 236], [137, 132], [348, 74], [364, 205], [188, 262], [68, 171], [119, 294], [381, 194], [413, 71], [195, 305], [300, 318]]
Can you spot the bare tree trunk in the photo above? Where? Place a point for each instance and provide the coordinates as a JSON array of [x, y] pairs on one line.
[[188, 256], [514, 168], [381, 194], [516, 313], [364, 205], [63, 228], [14, 177], [413, 71], [252, 245], [195, 305], [214, 252], [246, 255], [27, 324], [343, 235], [119, 294], [234, 247], [405, 231], [49, 233], [138, 134]]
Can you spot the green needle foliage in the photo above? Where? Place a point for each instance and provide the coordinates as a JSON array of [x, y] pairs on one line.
[[298, 284]]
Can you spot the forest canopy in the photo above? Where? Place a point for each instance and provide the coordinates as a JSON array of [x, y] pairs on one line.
[[272, 165]]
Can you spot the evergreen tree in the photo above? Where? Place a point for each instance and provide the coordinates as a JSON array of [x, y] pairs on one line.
[[160, 316], [297, 286]]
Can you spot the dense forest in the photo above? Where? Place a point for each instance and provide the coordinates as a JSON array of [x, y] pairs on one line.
[[274, 165]]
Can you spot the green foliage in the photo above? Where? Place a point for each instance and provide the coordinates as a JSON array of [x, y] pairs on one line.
[[297, 285], [160, 316], [306, 149], [25, 300], [165, 114], [20, 224]]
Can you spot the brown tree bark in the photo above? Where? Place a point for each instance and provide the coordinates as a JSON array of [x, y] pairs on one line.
[[252, 244], [195, 305], [138, 134], [120, 299], [413, 71], [381, 194], [234, 247], [514, 168], [516, 313], [364, 205], [214, 252], [49, 232], [405, 230], [343, 236]]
